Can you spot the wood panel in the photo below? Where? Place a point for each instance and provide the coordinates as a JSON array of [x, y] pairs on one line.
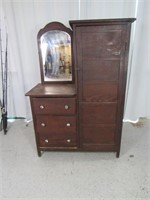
[[100, 52], [99, 91], [100, 113], [98, 134], [107, 43], [100, 69]]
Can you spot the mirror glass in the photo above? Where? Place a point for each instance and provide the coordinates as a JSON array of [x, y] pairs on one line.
[[56, 56]]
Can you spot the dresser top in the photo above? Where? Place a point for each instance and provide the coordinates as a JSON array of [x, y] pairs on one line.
[[52, 90]]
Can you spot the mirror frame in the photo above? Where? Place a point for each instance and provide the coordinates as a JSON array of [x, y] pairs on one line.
[[51, 27]]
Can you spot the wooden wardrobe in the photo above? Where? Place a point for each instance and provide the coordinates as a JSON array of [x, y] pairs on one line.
[[86, 112]]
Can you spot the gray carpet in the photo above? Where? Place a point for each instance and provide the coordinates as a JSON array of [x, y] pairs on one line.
[[72, 175]]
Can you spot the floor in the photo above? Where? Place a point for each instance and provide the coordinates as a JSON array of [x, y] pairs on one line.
[[71, 175]]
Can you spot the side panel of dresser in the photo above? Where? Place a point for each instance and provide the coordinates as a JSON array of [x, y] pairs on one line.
[[54, 123]]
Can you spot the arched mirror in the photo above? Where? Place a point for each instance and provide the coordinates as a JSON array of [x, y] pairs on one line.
[[55, 53]]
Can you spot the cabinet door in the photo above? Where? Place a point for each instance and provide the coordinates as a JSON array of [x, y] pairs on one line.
[[101, 76]]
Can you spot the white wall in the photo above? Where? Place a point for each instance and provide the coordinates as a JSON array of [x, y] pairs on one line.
[[138, 94], [24, 18]]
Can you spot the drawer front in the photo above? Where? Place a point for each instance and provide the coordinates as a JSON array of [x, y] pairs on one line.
[[54, 106], [56, 124], [49, 139]]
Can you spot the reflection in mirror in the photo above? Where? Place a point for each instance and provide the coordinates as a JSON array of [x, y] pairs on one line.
[[56, 56]]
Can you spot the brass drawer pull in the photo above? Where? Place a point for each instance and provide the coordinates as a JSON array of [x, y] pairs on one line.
[[66, 107], [68, 140], [68, 124], [43, 124], [42, 107], [46, 140]]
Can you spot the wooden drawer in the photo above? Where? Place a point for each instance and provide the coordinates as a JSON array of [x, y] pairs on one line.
[[54, 106], [56, 124], [49, 139]]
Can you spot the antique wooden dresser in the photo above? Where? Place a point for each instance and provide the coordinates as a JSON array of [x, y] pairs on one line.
[[79, 103]]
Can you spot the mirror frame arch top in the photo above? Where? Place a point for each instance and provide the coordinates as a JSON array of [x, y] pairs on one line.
[[55, 27]]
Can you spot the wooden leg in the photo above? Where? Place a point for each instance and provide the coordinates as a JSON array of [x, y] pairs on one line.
[[117, 154], [39, 153]]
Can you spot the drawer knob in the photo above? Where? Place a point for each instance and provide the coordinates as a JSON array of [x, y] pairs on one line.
[[46, 140], [68, 124], [43, 124], [66, 107], [42, 107], [68, 140]]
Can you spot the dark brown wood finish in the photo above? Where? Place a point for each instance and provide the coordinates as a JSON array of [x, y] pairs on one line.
[[54, 106], [54, 116], [86, 114], [101, 54], [52, 90]]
